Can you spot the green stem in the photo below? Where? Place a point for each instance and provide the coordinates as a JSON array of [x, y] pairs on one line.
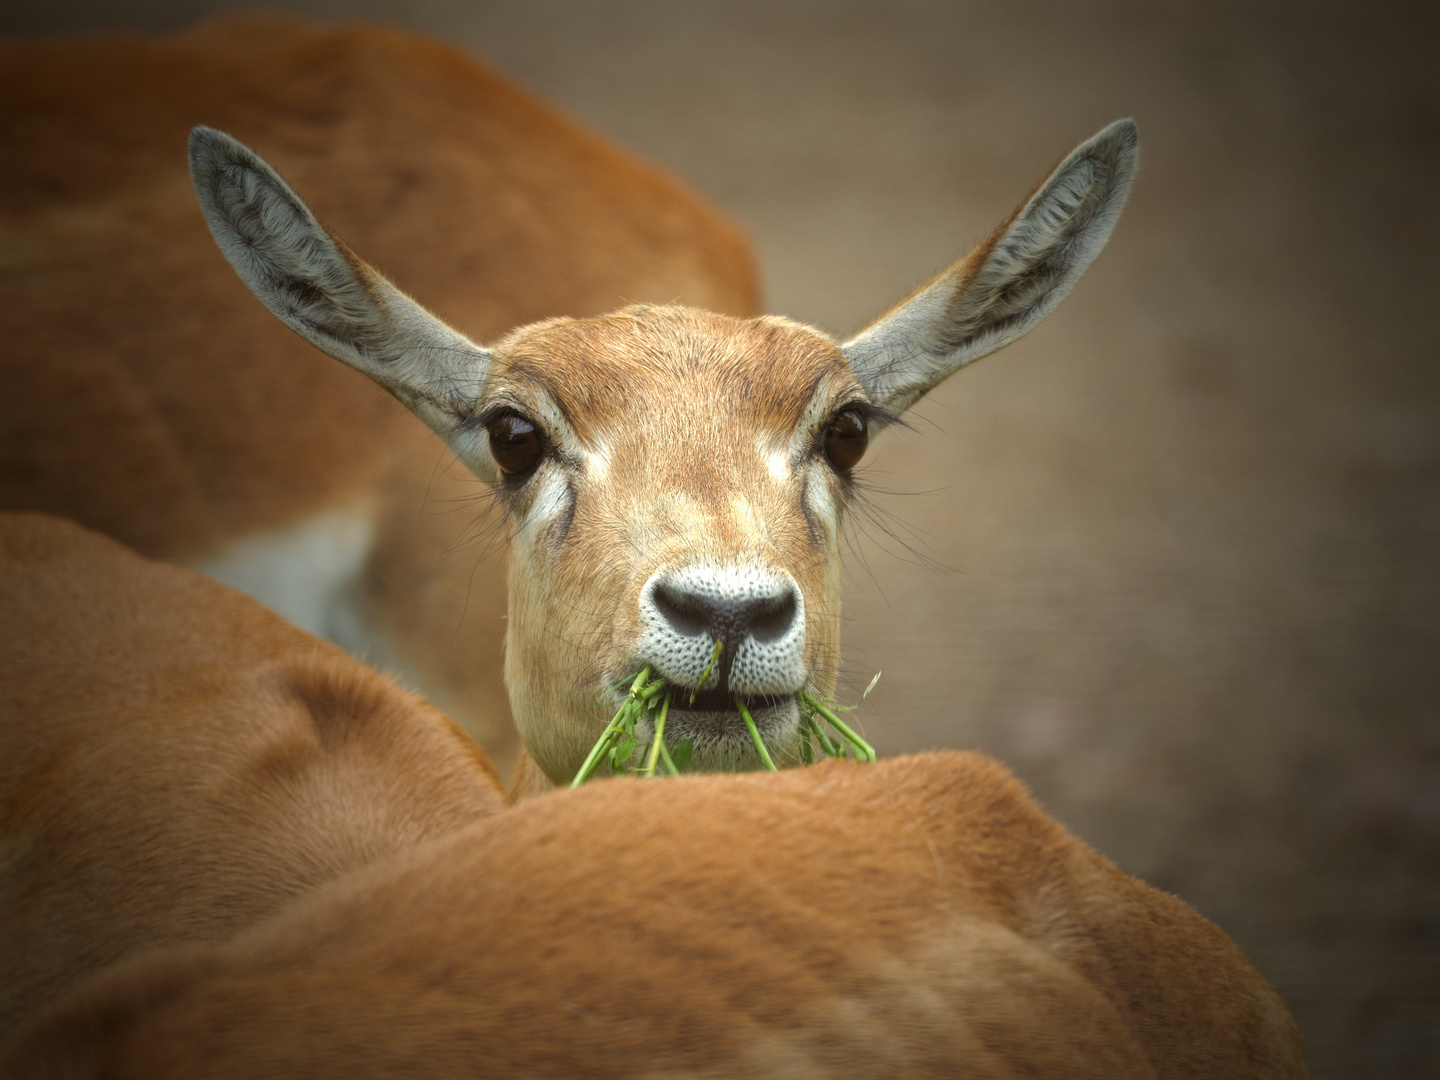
[[669, 764], [659, 740], [755, 735], [600, 749], [828, 746], [607, 737], [714, 655], [640, 681], [865, 750]]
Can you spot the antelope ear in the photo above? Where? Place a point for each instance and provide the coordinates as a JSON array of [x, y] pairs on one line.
[[1006, 285], [315, 285]]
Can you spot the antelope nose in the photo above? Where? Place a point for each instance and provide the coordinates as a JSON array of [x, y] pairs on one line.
[[727, 619], [756, 612]]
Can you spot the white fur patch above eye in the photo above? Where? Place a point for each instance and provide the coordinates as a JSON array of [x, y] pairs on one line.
[[779, 467], [597, 461]]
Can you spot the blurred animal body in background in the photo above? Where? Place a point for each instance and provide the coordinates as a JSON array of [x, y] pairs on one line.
[[148, 396]]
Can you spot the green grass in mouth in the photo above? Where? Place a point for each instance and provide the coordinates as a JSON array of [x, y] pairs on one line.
[[647, 697]]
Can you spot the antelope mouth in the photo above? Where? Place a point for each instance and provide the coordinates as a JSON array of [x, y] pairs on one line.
[[720, 701], [715, 716], [714, 726]]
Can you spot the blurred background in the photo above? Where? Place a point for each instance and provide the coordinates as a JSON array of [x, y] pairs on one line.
[[1175, 556]]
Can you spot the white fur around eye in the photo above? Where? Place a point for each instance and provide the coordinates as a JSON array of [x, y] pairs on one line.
[[597, 462], [550, 503], [820, 499]]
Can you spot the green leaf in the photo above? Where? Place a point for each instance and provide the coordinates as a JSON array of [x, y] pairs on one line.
[[681, 754], [623, 749]]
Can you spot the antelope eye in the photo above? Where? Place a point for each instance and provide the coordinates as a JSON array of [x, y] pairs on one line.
[[515, 442], [846, 439]]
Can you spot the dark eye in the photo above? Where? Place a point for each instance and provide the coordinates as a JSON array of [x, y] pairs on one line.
[[846, 439], [515, 443]]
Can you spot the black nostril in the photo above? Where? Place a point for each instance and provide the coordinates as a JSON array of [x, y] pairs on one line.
[[729, 619], [766, 619], [770, 619], [688, 613]]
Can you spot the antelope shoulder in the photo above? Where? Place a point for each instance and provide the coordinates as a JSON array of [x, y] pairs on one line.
[[178, 763]]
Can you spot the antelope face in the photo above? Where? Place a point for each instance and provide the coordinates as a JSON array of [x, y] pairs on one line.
[[674, 479]]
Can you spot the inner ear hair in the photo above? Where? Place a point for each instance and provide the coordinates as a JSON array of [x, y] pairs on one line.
[[315, 285], [1007, 284]]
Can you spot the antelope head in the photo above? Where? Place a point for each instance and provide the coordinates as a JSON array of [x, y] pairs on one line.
[[673, 478]]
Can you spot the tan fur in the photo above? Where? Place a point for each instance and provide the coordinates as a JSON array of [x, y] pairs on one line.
[[148, 396], [916, 918], [177, 763], [682, 405]]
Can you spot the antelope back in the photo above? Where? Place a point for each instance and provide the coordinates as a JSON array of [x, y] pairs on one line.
[[920, 917], [176, 762]]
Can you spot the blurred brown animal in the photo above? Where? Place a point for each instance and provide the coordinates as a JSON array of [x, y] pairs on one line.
[[917, 918], [177, 762], [147, 396]]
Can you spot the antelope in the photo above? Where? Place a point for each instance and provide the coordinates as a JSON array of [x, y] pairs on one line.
[[148, 397], [674, 479], [178, 763]]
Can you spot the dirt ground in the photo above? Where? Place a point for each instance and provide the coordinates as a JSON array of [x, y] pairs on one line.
[[1175, 556]]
